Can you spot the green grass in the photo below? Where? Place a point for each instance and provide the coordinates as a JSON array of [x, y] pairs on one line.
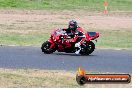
[[115, 39], [66, 4], [23, 39], [108, 38]]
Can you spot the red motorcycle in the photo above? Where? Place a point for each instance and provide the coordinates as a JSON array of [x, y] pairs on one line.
[[61, 42]]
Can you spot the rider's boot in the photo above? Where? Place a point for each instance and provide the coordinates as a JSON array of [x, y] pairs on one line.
[[78, 47]]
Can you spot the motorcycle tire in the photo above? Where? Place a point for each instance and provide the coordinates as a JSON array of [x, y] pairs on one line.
[[46, 48], [88, 48], [91, 47]]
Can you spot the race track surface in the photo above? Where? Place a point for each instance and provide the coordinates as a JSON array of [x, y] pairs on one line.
[[101, 60]]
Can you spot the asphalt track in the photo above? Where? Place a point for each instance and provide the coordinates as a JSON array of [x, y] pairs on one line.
[[101, 60]]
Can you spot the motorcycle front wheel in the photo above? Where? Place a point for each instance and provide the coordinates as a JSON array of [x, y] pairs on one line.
[[46, 48]]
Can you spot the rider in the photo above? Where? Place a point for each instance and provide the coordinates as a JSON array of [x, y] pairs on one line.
[[74, 31]]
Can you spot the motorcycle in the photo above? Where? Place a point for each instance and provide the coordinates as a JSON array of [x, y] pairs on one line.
[[61, 42]]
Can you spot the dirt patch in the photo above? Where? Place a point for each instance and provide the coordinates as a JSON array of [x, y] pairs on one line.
[[46, 20]]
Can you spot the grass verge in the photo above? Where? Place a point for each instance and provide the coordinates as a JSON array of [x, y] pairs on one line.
[[34, 78], [66, 4], [108, 38], [115, 39], [23, 39]]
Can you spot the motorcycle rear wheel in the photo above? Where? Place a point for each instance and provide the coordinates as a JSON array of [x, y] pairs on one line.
[[46, 48], [91, 47], [88, 48]]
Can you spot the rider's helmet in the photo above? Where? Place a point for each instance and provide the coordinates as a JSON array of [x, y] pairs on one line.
[[72, 25]]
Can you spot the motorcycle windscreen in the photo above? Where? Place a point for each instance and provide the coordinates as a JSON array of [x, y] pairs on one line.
[[92, 34]]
